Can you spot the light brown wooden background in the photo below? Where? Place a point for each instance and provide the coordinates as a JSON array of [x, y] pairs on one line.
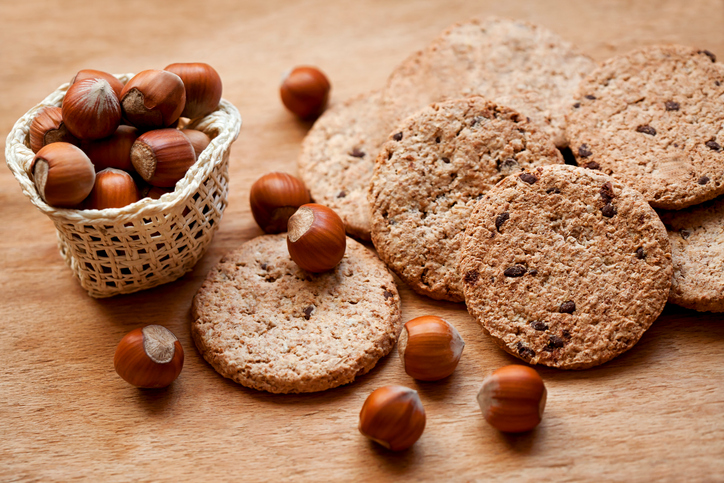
[[655, 413]]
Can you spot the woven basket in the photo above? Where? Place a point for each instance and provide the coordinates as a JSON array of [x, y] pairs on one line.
[[147, 243]]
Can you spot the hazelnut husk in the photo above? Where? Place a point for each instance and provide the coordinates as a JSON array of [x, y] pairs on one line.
[[305, 91], [153, 99], [48, 127], [393, 416], [162, 157], [316, 239], [274, 198], [63, 175], [203, 87]]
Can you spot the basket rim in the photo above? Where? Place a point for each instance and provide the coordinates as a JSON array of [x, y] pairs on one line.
[[225, 120]]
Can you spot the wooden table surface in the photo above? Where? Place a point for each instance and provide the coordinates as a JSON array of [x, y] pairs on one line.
[[655, 413]]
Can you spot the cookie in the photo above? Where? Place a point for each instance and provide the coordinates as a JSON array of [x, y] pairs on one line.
[[261, 321], [338, 157], [517, 64], [652, 119], [697, 245], [428, 177], [565, 266]]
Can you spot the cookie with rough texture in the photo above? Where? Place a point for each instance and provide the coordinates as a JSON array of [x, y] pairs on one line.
[[428, 177], [261, 321], [565, 266], [515, 63], [338, 157], [653, 118], [697, 245]]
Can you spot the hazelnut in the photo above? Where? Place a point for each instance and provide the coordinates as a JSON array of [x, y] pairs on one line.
[[274, 198], [113, 151], [149, 357], [305, 91], [203, 87], [91, 109], [393, 416], [63, 175], [162, 157], [153, 99], [155, 192], [48, 127], [84, 74], [316, 238], [113, 189], [513, 399], [199, 140], [429, 348]]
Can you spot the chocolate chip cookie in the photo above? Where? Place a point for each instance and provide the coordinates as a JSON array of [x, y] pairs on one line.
[[338, 157], [261, 321], [430, 173], [697, 245], [565, 266], [653, 118], [515, 63]]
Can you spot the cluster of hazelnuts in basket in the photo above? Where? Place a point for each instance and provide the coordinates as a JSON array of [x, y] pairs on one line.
[[110, 144]]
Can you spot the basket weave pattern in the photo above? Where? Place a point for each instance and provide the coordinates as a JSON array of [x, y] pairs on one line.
[[148, 243]]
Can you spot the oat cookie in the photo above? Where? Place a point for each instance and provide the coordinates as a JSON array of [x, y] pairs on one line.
[[517, 64], [697, 245], [653, 118], [428, 177], [565, 266], [265, 323], [338, 156]]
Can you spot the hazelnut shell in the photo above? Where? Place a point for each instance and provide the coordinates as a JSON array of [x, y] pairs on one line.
[[48, 127], [113, 189], [149, 357], [91, 109], [274, 198], [513, 399], [393, 416], [203, 87], [153, 99], [162, 157], [316, 239], [63, 175], [430, 348], [305, 91]]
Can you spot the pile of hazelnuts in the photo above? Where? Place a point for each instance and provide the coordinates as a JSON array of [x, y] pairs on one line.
[[110, 144]]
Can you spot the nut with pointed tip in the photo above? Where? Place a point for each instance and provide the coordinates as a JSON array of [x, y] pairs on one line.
[[149, 357], [199, 140], [274, 198], [63, 175], [513, 399], [84, 74], [393, 416], [203, 87], [153, 99], [91, 109], [113, 189], [305, 91], [316, 238], [48, 127], [155, 193], [113, 151], [429, 348], [162, 157]]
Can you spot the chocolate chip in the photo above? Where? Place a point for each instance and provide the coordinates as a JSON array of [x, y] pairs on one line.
[[593, 165], [713, 145], [500, 219], [537, 325], [341, 194], [308, 312], [703, 180], [567, 307], [263, 266], [640, 253], [533, 272], [471, 277], [583, 151], [528, 178], [553, 191], [708, 54], [608, 210], [606, 192], [646, 129], [437, 140], [525, 351], [397, 136], [684, 234], [515, 271], [446, 160], [672, 106], [566, 334], [590, 97], [554, 343], [356, 153], [476, 120], [717, 83], [388, 294], [577, 105]]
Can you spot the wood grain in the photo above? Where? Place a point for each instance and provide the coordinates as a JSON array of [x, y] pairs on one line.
[[654, 413]]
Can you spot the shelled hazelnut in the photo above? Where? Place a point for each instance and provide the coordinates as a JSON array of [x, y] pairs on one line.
[[149, 357], [63, 175], [513, 399], [84, 74], [203, 87], [48, 127], [429, 348], [153, 99], [305, 91], [274, 198], [113, 188], [91, 109], [113, 151], [316, 239], [393, 416], [162, 157]]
